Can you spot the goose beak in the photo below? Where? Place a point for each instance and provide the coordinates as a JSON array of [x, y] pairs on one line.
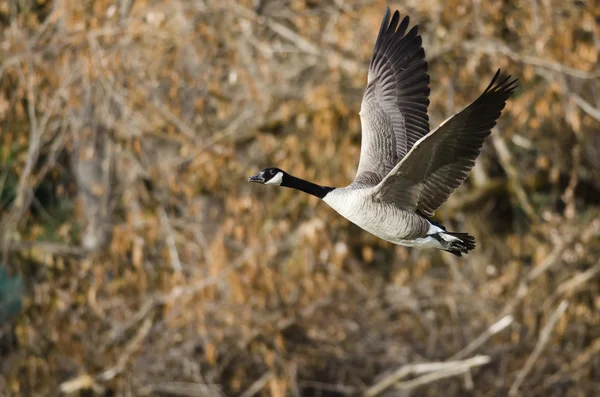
[[257, 178]]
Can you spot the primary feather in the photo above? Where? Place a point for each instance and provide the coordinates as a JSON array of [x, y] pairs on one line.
[[394, 106], [441, 161]]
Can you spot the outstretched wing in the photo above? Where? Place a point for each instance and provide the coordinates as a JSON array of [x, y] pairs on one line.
[[394, 107], [441, 161]]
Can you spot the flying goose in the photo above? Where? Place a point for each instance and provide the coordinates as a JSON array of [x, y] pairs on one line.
[[406, 172]]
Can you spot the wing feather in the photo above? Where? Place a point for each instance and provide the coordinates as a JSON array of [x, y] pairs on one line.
[[440, 161], [394, 106]]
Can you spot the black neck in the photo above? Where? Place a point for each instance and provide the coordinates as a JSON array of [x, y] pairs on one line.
[[305, 186]]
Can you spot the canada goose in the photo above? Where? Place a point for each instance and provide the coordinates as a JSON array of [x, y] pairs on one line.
[[405, 172]]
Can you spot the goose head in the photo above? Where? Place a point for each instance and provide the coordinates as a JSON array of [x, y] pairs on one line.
[[278, 177], [269, 176]]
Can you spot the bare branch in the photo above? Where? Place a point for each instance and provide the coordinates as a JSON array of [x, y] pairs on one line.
[[438, 370], [505, 157], [571, 285], [184, 389], [257, 386], [495, 328], [585, 106], [173, 254], [172, 118], [127, 352], [494, 47], [539, 347]]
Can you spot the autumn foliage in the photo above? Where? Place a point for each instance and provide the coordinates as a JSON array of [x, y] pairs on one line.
[[149, 266]]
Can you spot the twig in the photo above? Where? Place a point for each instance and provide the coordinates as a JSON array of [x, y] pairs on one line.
[[231, 129], [336, 388], [173, 254], [585, 106], [300, 42], [539, 347], [568, 195], [172, 118], [280, 29], [566, 240], [128, 352], [84, 381], [550, 260], [48, 247], [257, 386], [286, 322], [56, 148], [432, 377], [492, 187], [572, 117], [496, 47], [440, 370], [178, 292], [513, 176], [185, 389], [24, 191], [37, 128], [582, 359], [141, 314], [481, 339], [571, 285], [137, 120]]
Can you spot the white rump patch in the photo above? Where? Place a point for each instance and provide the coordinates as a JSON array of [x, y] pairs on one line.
[[433, 229], [276, 180], [449, 238]]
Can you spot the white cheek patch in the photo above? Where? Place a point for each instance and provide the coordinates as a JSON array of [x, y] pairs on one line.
[[276, 180]]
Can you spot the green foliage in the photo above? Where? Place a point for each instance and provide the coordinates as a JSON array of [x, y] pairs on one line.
[[8, 177], [8, 188], [11, 289]]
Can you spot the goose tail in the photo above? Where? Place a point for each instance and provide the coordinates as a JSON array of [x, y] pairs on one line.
[[457, 243]]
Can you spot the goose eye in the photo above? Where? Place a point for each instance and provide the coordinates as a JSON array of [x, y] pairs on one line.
[[272, 172]]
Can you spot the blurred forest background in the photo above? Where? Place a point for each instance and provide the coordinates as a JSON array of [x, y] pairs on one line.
[[136, 259]]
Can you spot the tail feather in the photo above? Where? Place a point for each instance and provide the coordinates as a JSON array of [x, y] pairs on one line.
[[462, 243]]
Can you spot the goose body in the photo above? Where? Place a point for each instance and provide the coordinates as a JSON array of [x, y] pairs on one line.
[[385, 220], [406, 172]]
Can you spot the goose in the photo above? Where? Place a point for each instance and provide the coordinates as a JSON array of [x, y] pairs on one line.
[[405, 171]]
